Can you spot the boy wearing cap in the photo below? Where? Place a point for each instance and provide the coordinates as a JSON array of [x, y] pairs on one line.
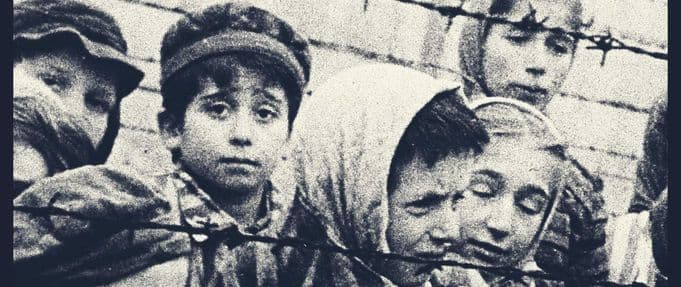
[[79, 54], [232, 80]]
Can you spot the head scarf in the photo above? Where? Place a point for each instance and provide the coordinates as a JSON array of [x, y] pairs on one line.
[[345, 137], [470, 49], [504, 117]]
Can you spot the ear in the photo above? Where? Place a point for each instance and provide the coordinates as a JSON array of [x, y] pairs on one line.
[[170, 130]]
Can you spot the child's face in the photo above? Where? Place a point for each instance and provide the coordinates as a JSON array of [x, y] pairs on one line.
[[527, 65], [234, 129], [507, 193], [86, 89], [423, 221]]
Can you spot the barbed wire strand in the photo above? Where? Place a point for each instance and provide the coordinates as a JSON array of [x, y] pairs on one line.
[[234, 237], [604, 42], [380, 57]]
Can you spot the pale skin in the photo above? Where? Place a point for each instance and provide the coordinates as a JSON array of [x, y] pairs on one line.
[[530, 66], [423, 220], [507, 191], [82, 88], [233, 135]]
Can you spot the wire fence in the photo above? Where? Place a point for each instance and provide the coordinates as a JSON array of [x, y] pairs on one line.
[[234, 237], [608, 44], [604, 42]]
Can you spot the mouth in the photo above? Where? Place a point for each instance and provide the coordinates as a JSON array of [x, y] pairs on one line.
[[487, 251], [434, 256], [531, 93], [239, 161]]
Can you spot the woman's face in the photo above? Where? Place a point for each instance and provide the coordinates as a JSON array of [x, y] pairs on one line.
[[507, 192], [527, 65], [423, 220]]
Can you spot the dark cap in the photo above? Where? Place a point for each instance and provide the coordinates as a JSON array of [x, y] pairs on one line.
[[235, 27], [46, 20]]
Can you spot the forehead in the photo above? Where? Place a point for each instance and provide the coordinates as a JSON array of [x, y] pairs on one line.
[[517, 159], [559, 13], [224, 72]]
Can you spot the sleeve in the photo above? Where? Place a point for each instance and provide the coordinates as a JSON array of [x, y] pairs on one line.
[[574, 243], [652, 169], [57, 249], [631, 256]]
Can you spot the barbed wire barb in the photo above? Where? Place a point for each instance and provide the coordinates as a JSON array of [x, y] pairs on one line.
[[601, 42], [234, 237]]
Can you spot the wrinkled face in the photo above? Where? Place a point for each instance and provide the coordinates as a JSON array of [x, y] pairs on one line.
[[85, 87], [507, 193], [234, 129], [530, 66], [423, 220]]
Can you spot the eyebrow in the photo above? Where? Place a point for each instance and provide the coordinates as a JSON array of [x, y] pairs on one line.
[[430, 196], [265, 93], [494, 175], [221, 95]]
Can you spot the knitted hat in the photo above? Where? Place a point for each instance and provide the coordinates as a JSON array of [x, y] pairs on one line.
[[94, 30], [234, 27]]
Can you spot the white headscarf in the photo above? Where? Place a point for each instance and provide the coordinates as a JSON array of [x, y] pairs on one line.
[[345, 137]]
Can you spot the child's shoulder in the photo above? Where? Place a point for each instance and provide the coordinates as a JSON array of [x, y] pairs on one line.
[[103, 179]]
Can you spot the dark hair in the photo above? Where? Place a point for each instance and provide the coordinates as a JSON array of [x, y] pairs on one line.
[[182, 89], [215, 20], [443, 127]]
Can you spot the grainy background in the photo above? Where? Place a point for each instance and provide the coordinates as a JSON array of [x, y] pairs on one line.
[[603, 113]]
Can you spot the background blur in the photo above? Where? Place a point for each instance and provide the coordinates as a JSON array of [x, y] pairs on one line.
[[603, 112]]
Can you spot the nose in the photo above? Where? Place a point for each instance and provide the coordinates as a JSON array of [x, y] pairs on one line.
[[500, 223], [446, 230], [240, 133], [536, 58]]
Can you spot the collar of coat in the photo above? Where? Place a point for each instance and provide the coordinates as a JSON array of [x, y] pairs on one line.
[[197, 209]]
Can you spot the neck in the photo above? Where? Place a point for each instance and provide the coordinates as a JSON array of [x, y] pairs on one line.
[[243, 206]]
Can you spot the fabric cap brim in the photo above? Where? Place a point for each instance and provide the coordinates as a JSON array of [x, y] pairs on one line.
[[231, 41], [128, 73]]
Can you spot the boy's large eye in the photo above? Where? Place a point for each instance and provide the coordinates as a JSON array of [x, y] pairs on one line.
[[531, 199], [217, 109], [266, 113]]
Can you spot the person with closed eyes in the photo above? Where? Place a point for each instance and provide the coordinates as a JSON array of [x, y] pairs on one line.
[[509, 191], [530, 64]]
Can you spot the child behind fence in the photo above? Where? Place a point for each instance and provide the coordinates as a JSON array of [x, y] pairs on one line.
[[511, 191], [232, 79], [525, 63], [376, 175], [71, 72]]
